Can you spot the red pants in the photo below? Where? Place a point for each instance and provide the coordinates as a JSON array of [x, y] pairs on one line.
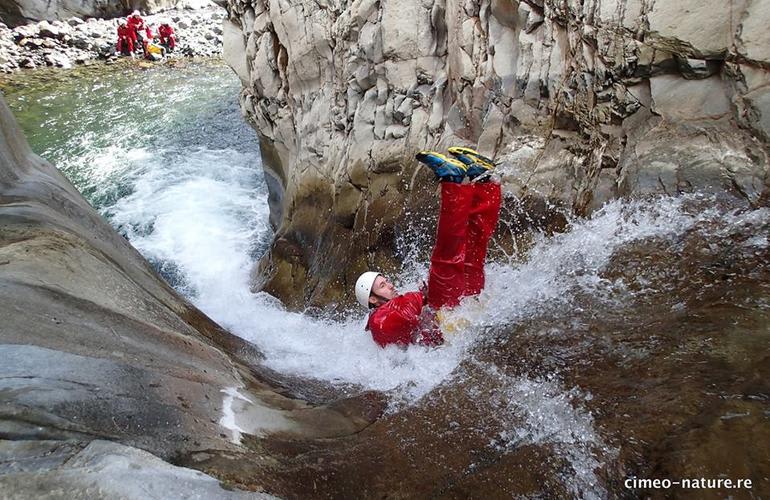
[[125, 43], [468, 217], [168, 41]]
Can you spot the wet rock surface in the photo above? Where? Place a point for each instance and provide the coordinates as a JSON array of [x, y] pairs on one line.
[[581, 102], [659, 370], [74, 41], [99, 469], [96, 346]]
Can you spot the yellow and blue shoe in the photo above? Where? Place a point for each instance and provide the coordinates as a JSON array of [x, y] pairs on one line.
[[446, 169], [479, 166]]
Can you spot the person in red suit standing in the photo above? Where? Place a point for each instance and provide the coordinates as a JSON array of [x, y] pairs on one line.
[[136, 27], [470, 207]]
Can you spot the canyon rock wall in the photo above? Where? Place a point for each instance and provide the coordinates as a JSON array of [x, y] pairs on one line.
[[18, 12], [581, 101]]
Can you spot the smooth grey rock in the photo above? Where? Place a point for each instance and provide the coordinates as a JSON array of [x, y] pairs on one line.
[[704, 25], [754, 35], [100, 470], [679, 99], [95, 345]]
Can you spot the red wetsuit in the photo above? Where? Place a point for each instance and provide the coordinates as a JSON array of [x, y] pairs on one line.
[[135, 24], [125, 41], [166, 34], [468, 217]]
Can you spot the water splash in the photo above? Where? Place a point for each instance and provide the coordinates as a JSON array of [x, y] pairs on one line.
[[189, 195], [540, 411], [560, 266]]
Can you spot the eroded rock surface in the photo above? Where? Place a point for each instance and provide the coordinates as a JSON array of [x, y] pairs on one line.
[[583, 101], [101, 469]]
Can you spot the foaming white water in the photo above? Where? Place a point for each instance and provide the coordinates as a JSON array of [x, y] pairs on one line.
[[205, 222], [201, 216], [561, 265], [202, 213], [539, 411]]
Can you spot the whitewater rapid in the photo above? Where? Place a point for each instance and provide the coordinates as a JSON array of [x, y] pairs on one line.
[[179, 174], [180, 177]]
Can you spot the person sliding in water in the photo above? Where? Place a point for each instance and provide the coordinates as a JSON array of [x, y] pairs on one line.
[[470, 206]]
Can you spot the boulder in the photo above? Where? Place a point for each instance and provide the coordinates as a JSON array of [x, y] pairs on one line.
[[100, 469], [59, 60]]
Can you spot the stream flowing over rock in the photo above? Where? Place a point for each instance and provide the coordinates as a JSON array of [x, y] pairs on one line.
[[582, 101], [95, 347]]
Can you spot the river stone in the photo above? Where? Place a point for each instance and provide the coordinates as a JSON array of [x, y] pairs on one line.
[[99, 469], [47, 30], [17, 12], [59, 60], [95, 39]]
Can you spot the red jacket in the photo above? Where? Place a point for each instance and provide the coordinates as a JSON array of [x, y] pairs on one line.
[[400, 322], [135, 23], [467, 219], [165, 31]]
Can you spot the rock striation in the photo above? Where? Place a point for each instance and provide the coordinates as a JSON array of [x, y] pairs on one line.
[[583, 101], [65, 43], [96, 347]]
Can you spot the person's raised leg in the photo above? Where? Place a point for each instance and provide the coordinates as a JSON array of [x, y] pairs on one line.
[[482, 221], [483, 216], [446, 279]]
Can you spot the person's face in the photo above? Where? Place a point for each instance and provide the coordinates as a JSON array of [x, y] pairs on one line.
[[383, 289]]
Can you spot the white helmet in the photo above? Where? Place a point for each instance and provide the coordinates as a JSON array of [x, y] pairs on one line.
[[135, 13], [364, 285]]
